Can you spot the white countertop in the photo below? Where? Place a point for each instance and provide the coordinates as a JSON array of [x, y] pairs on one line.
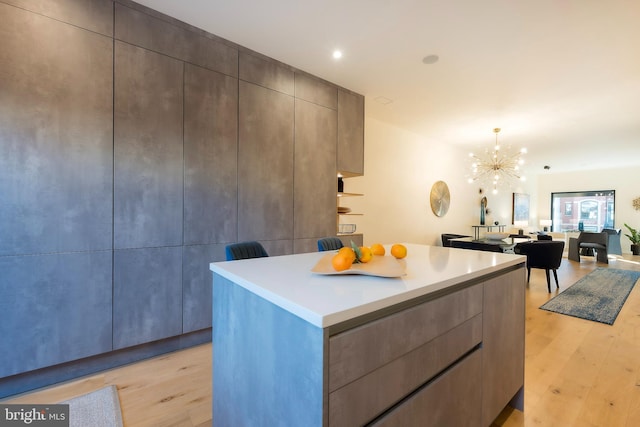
[[325, 300]]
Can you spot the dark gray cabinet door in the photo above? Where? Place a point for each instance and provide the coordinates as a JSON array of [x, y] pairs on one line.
[[350, 133], [265, 164], [196, 285], [315, 171], [147, 295], [55, 136], [175, 39], [267, 73], [210, 157], [55, 308], [503, 342], [94, 15], [314, 90], [148, 188]]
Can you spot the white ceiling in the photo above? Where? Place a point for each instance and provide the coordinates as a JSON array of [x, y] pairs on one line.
[[560, 77]]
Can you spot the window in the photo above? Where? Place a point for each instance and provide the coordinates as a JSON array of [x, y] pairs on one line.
[[583, 211]]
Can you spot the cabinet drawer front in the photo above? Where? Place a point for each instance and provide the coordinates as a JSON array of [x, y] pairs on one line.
[[451, 400], [356, 352], [365, 398]]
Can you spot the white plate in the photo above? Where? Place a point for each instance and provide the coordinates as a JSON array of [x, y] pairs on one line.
[[380, 265]]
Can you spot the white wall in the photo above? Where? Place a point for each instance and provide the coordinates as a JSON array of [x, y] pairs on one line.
[[400, 168]]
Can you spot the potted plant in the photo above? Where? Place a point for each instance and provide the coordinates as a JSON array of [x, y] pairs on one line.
[[635, 239]]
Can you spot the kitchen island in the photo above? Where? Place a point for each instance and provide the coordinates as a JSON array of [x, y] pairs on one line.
[[442, 344]]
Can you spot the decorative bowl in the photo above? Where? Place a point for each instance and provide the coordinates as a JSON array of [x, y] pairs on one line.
[[496, 236]]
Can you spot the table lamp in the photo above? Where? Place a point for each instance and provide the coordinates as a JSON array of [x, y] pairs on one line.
[[546, 224]]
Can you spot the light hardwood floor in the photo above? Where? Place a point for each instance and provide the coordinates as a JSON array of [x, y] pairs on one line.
[[577, 372]]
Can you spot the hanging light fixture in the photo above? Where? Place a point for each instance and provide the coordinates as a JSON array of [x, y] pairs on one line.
[[497, 167]]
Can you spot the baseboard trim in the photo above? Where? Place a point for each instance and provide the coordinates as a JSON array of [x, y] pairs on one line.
[[21, 383]]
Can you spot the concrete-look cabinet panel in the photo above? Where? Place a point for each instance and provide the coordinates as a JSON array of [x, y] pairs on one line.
[[140, 29], [196, 285], [315, 171], [147, 295], [55, 133], [265, 164], [314, 90], [503, 371], [266, 73], [93, 15], [451, 400], [269, 353], [350, 133], [210, 156], [55, 308], [148, 188]]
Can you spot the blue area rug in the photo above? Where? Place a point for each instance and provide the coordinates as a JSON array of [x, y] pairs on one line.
[[598, 296]]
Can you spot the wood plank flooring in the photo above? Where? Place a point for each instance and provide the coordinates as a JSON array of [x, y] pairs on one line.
[[577, 373]]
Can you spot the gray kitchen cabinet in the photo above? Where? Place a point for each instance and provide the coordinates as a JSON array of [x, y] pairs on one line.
[[317, 91], [148, 163], [175, 39], [451, 357], [94, 15], [210, 157], [350, 133], [315, 166], [265, 164], [503, 352], [55, 308], [129, 141], [56, 136], [266, 72], [147, 295]]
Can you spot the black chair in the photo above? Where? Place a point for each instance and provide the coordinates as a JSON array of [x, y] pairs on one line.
[[544, 237], [245, 250], [448, 236], [544, 254], [589, 241], [329, 244]]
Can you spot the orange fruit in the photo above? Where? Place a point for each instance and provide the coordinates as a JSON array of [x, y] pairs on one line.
[[377, 249], [341, 261], [399, 251], [348, 252], [365, 254]]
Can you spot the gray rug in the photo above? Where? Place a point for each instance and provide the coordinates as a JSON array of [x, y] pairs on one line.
[[100, 408], [598, 296]]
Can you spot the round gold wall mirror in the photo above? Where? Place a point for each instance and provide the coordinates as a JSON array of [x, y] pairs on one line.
[[440, 198]]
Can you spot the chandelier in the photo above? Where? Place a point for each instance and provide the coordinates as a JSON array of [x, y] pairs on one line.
[[498, 168]]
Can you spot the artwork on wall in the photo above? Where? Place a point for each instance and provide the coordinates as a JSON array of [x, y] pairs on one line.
[[440, 198], [520, 212]]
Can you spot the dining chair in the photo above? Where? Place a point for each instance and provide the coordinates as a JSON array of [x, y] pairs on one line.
[[329, 244], [543, 254], [446, 238], [245, 250]]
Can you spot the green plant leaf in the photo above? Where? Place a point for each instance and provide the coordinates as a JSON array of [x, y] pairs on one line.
[[357, 251]]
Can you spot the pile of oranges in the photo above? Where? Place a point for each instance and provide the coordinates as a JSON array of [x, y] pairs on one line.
[[346, 256]]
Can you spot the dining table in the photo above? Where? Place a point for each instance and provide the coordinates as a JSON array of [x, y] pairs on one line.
[[486, 244]]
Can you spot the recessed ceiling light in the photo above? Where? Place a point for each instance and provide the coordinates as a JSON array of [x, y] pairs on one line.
[[383, 100], [430, 59], [337, 54]]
